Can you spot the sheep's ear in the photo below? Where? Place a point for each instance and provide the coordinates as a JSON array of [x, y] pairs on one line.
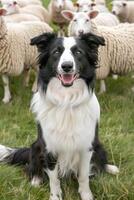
[[90, 38], [42, 41], [93, 14], [67, 14], [3, 11]]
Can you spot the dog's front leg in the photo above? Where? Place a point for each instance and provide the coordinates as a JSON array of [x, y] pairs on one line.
[[55, 189], [83, 176]]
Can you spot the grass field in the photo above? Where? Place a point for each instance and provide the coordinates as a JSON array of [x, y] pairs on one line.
[[17, 129]]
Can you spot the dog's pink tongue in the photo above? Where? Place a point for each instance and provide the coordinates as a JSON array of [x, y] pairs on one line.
[[67, 78]]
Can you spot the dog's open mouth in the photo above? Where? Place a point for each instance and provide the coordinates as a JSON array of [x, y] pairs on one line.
[[67, 79]]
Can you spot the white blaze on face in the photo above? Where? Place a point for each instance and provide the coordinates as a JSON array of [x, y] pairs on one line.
[[67, 55], [67, 71]]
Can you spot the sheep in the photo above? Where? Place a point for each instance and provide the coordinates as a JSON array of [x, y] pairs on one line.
[[36, 10], [87, 5], [118, 54], [79, 21], [124, 10], [22, 3], [16, 54], [55, 7]]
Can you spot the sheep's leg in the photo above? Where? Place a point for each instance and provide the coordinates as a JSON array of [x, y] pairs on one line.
[[7, 94], [102, 87], [55, 189], [35, 84], [61, 32], [133, 86], [26, 77], [83, 176], [132, 89]]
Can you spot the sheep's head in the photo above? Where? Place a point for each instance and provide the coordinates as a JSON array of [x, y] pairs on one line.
[[119, 7], [10, 6], [84, 5], [80, 22], [58, 5]]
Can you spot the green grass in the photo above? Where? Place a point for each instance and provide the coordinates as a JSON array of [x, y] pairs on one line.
[[17, 129]]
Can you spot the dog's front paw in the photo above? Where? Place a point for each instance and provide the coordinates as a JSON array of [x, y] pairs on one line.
[[36, 181], [86, 196], [6, 99]]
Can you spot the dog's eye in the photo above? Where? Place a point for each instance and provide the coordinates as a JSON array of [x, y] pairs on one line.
[[78, 52], [87, 20], [56, 51]]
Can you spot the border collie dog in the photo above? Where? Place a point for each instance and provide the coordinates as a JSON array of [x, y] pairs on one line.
[[67, 113]]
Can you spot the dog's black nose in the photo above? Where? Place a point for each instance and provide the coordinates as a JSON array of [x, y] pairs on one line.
[[67, 66]]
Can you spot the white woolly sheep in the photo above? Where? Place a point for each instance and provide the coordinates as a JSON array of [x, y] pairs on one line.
[[36, 10], [124, 10], [22, 3], [88, 5], [79, 21], [55, 7], [16, 54], [118, 54]]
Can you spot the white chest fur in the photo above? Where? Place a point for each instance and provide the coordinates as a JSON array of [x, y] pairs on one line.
[[68, 119]]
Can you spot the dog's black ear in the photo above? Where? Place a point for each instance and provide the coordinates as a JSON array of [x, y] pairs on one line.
[[42, 41], [90, 39]]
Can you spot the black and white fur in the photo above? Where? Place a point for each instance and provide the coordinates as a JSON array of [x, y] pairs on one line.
[[67, 113]]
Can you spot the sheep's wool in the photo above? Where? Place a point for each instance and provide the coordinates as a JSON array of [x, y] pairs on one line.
[[118, 54], [15, 50]]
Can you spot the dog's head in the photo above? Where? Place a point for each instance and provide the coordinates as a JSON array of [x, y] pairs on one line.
[[67, 58]]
